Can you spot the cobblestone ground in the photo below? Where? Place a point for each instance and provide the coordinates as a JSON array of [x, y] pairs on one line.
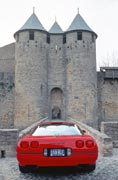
[[107, 168]]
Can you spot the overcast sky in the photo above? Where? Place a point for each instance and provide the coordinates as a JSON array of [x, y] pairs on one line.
[[100, 15]]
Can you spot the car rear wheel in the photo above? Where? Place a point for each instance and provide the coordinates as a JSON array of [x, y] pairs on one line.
[[87, 168], [91, 167], [24, 169]]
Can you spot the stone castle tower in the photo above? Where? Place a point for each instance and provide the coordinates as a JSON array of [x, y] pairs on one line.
[[55, 72]]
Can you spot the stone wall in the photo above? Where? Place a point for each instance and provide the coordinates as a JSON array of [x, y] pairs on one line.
[[7, 58], [8, 140], [111, 129], [56, 72], [7, 95], [107, 98], [7, 100]]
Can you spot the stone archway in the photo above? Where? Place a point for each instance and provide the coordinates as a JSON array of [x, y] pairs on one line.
[[56, 103]]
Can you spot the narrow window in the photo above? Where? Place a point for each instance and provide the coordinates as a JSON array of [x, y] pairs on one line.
[[17, 37], [79, 35], [41, 89], [3, 154], [31, 35], [93, 39], [64, 38], [48, 38]]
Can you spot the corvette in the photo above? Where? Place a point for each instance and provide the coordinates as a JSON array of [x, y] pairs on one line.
[[60, 144]]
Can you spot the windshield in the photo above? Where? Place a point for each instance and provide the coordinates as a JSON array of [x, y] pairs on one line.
[[56, 130]]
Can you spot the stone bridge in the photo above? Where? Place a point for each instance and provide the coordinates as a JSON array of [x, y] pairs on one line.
[[9, 138]]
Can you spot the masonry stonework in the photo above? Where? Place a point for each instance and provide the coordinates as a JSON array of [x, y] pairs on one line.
[[8, 140], [108, 94], [82, 78], [111, 129], [30, 79]]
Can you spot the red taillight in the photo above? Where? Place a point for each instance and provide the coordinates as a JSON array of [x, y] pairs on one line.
[[24, 144], [34, 144], [89, 143], [80, 144]]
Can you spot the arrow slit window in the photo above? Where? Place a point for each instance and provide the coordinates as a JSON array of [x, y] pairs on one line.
[[31, 35], [79, 36]]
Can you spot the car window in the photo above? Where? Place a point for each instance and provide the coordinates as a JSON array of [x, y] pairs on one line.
[[56, 130]]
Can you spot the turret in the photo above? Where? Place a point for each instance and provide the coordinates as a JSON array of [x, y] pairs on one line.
[[81, 72], [30, 73]]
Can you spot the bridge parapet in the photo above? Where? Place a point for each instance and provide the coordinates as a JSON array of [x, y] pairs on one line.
[[28, 129], [8, 140], [104, 142]]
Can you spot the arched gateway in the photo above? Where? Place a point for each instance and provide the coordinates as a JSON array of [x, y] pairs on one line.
[[56, 103]]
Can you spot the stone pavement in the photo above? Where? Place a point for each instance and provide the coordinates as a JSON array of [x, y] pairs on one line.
[[107, 168]]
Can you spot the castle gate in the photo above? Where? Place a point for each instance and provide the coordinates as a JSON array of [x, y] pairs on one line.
[[56, 103]]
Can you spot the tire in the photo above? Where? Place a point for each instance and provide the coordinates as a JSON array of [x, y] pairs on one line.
[[87, 168], [91, 168], [23, 169]]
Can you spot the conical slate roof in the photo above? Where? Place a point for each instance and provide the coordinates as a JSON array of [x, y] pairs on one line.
[[56, 29], [79, 24], [32, 23]]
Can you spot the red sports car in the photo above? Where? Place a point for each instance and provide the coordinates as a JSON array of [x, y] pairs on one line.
[[56, 144]]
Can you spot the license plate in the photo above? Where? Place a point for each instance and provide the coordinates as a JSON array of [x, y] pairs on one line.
[[57, 152]]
